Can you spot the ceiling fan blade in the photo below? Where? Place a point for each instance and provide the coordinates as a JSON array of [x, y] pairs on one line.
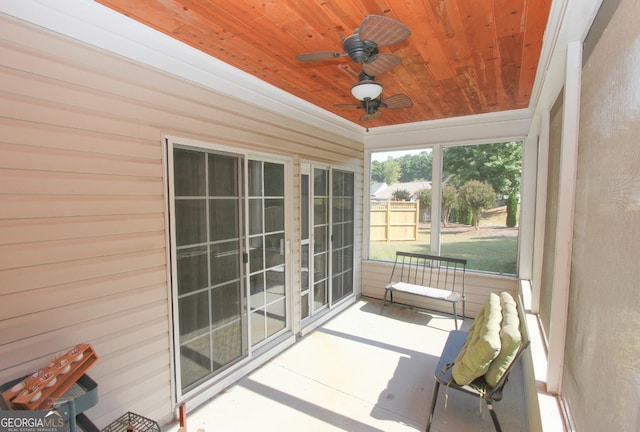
[[382, 63], [318, 56], [397, 101], [370, 116], [347, 105], [383, 30]]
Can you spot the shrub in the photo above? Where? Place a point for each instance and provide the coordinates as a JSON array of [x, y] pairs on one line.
[[477, 196], [512, 210], [401, 195]]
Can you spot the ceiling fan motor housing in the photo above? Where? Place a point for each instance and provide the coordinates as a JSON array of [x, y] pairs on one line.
[[372, 105], [360, 51]]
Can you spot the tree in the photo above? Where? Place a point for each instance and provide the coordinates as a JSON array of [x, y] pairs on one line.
[[449, 201], [385, 172], [424, 196], [401, 195], [415, 167], [477, 196], [512, 210], [390, 171], [498, 164], [377, 173]]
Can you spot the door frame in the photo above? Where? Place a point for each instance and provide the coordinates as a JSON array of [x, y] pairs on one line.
[[277, 342]]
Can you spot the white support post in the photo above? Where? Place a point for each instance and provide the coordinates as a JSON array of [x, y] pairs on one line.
[[436, 188], [527, 207], [566, 204], [541, 209]]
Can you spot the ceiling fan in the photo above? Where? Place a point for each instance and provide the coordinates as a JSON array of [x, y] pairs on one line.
[[372, 106], [362, 46]]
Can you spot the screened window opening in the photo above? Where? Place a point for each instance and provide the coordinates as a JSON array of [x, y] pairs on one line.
[[478, 204]]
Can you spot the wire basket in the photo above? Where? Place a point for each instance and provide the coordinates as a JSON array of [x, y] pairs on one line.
[[131, 422]]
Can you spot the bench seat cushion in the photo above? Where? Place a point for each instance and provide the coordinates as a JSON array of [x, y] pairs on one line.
[[510, 340], [425, 291], [482, 344]]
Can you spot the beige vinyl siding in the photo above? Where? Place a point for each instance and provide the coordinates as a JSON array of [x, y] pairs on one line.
[[83, 241], [376, 274]]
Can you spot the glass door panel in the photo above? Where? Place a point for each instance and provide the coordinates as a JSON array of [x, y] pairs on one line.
[[210, 294], [342, 222], [320, 238], [267, 291], [304, 243]]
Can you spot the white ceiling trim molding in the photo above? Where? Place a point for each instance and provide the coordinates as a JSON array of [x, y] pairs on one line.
[[475, 129], [97, 25]]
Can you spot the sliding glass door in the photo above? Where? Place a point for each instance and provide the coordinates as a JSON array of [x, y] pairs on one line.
[[327, 206], [208, 238], [229, 266]]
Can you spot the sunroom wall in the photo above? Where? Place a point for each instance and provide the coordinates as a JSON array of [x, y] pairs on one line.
[[83, 214], [603, 342]]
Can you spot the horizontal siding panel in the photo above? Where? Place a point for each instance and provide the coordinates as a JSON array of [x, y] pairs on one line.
[[76, 314], [14, 231], [56, 92], [38, 111], [114, 361], [151, 123], [26, 355], [53, 297], [29, 278], [143, 399], [54, 137], [136, 371], [57, 183], [131, 80], [35, 254], [45, 206], [151, 324], [161, 108], [20, 157]]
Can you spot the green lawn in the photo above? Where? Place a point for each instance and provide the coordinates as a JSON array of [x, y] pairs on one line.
[[492, 254]]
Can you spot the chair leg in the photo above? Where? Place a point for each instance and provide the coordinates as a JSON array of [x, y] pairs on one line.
[[434, 398], [455, 315], [494, 417], [464, 305], [384, 300]]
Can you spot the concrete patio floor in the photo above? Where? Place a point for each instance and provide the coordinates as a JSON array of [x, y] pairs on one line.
[[361, 371]]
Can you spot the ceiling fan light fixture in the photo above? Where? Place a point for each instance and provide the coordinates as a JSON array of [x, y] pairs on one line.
[[366, 90]]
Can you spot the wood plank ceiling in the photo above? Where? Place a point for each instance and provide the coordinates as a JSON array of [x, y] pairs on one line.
[[463, 56]]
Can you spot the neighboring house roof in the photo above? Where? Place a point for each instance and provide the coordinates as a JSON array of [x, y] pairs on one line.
[[376, 187], [385, 192]]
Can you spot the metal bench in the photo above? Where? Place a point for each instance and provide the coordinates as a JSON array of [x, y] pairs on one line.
[[479, 386], [432, 276]]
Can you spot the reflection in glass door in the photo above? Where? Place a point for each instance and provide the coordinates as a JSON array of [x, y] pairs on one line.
[[210, 294], [305, 275], [266, 250], [320, 238], [342, 221]]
